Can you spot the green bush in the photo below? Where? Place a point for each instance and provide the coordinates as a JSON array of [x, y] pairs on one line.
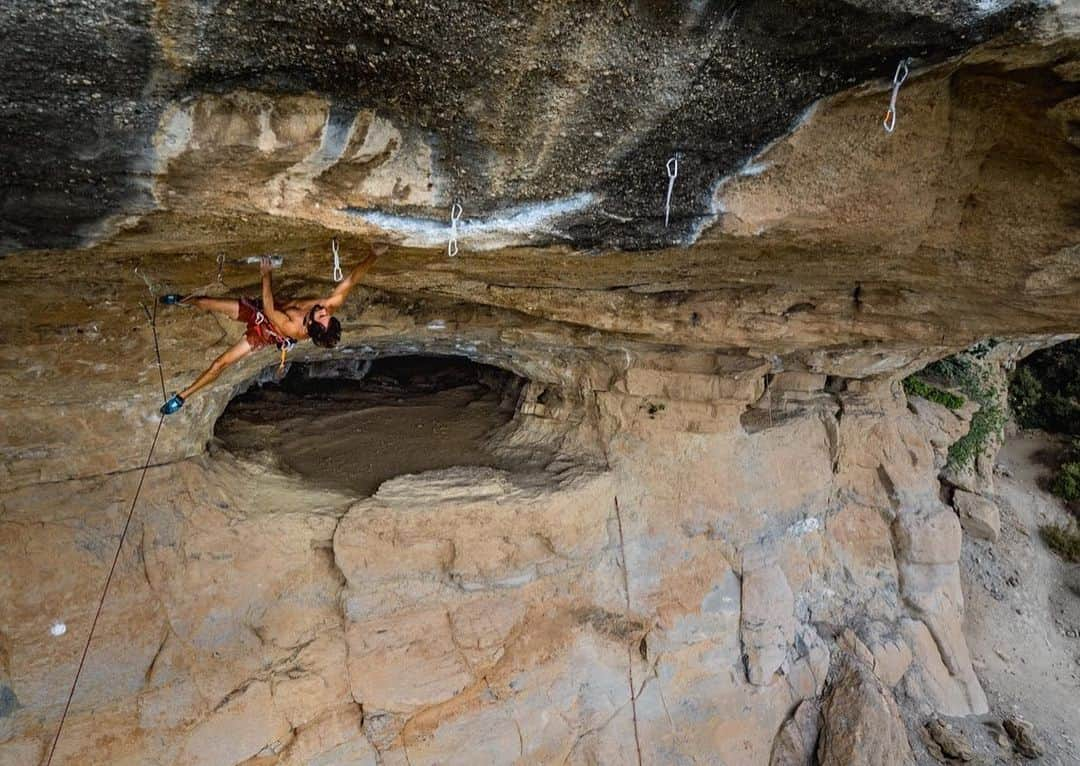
[[1066, 484], [1061, 414], [985, 424], [964, 373], [1062, 540], [1044, 392], [1025, 398], [915, 387], [955, 372]]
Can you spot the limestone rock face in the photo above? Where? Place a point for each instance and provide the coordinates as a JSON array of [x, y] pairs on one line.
[[713, 492], [516, 106], [892, 658], [861, 723], [767, 621], [944, 425], [930, 583], [483, 612], [928, 536], [796, 742], [471, 567]]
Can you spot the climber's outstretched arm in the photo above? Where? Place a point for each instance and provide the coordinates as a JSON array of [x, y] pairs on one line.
[[337, 299]]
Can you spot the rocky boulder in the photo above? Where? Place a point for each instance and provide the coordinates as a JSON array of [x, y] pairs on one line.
[[861, 723], [979, 516]]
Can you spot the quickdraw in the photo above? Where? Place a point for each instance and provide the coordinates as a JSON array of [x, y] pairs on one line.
[[284, 348], [452, 243], [672, 174], [337, 273], [889, 122]]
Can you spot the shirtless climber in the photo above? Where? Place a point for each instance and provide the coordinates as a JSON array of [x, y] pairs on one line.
[[272, 323]]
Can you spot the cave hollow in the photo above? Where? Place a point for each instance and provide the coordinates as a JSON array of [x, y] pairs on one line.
[[350, 424]]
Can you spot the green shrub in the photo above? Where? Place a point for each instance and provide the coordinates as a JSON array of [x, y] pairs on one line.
[[985, 424], [915, 387], [1025, 398], [1066, 484], [955, 372], [964, 373], [1062, 540], [1044, 392], [1061, 414], [983, 347]]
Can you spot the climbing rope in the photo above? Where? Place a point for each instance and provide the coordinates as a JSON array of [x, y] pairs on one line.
[[338, 274], [629, 649], [898, 79], [152, 318], [672, 173], [123, 534], [455, 216]]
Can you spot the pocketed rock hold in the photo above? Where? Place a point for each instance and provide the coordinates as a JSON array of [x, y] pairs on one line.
[[1023, 737], [978, 516], [795, 742], [945, 744], [861, 723]]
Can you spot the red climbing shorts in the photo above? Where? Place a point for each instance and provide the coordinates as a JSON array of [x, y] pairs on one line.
[[260, 332]]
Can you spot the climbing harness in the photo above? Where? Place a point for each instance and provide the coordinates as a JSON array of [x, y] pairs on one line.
[[338, 275], [284, 343], [672, 172], [60, 628], [455, 216], [898, 79]]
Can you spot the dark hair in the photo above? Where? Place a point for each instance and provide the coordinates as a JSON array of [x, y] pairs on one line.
[[328, 336]]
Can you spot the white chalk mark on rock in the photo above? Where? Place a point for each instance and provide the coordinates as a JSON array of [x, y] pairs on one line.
[[504, 228]]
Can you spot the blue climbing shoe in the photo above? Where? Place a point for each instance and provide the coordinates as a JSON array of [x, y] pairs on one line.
[[172, 299], [173, 405]]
